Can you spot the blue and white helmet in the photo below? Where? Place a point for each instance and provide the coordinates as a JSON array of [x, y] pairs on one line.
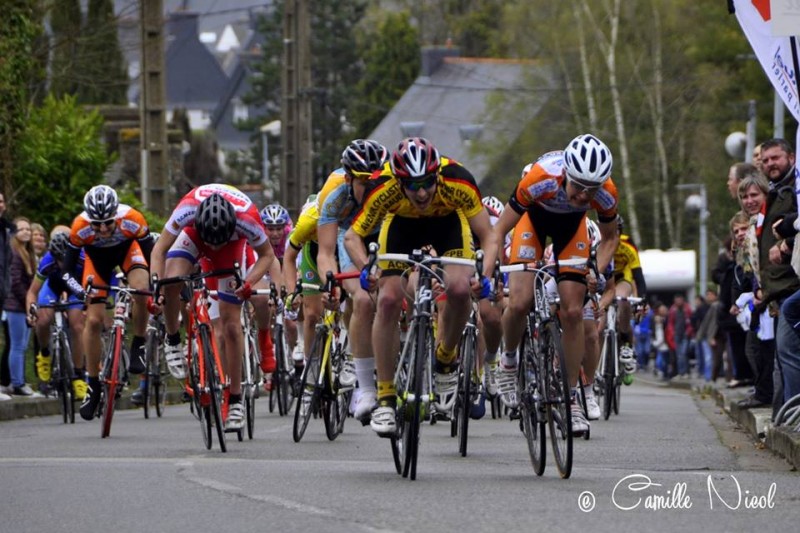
[[275, 215]]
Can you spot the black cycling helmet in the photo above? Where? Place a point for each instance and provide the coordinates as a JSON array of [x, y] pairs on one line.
[[364, 156], [215, 220], [101, 203], [59, 244]]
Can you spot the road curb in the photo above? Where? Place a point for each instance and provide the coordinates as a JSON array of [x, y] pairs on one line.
[[31, 407]]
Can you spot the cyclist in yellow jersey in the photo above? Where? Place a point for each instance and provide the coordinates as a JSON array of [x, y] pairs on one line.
[[420, 199], [303, 240], [629, 281]]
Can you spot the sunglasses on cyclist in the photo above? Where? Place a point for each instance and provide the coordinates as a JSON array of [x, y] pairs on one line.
[[100, 223], [426, 182], [584, 187]]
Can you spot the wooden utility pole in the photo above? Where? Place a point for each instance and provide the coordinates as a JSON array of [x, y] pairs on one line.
[[153, 104], [296, 173]]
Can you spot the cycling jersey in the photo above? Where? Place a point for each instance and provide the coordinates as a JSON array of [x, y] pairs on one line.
[[50, 274], [127, 246], [456, 190], [627, 266], [545, 186], [336, 203], [248, 219], [306, 228], [542, 194], [130, 225]]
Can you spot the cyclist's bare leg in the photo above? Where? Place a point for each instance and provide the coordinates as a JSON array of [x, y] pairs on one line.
[[312, 311], [76, 321], [175, 266], [139, 278], [491, 315], [45, 318], [519, 303], [591, 358], [385, 330], [624, 288], [92, 332], [456, 312], [231, 325], [572, 295]]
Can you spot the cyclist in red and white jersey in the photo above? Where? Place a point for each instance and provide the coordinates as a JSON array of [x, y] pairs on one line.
[[215, 221]]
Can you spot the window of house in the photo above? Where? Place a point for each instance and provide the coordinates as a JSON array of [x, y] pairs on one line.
[[239, 111]]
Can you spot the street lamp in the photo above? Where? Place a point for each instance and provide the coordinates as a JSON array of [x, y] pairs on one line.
[[274, 129], [699, 203]]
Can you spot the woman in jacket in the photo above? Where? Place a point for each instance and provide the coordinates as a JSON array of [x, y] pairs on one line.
[[20, 276]]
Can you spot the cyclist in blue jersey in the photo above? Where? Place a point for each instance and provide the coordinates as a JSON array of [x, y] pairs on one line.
[[49, 283]]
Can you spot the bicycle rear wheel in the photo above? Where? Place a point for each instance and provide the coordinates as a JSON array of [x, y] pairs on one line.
[[532, 418], [150, 347], [284, 374], [466, 388], [309, 396], [609, 373], [559, 416]]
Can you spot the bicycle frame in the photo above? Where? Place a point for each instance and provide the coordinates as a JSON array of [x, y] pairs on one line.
[[115, 361], [325, 391], [60, 350], [414, 374]]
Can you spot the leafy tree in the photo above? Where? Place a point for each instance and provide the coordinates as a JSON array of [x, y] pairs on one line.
[[104, 76], [61, 155], [391, 59], [20, 28], [65, 24]]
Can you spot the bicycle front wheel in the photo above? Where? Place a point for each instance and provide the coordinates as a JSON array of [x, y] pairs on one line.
[[414, 402], [559, 413], [532, 418], [466, 388], [112, 381], [309, 395], [213, 386], [64, 373]]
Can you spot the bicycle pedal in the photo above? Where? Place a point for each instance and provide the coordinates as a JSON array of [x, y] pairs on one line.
[[514, 414]]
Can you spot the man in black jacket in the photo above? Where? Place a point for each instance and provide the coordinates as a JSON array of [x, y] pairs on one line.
[[778, 279]]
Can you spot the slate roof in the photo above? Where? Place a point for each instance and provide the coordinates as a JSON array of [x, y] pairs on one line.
[[451, 101], [195, 79]]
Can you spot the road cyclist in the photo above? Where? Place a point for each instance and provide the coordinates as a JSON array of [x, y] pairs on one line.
[[557, 192], [111, 235], [49, 283], [215, 221], [420, 198]]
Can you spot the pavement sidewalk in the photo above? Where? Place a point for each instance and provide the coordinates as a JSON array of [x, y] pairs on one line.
[[756, 421], [25, 407]]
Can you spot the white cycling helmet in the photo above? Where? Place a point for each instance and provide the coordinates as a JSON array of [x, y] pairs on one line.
[[588, 160], [493, 205]]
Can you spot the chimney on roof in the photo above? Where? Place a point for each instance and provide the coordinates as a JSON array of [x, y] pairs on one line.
[[183, 24], [433, 57]]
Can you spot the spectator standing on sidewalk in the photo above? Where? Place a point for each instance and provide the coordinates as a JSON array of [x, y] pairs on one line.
[[6, 233], [709, 346], [738, 371], [20, 276], [660, 340], [643, 336], [778, 278], [679, 332], [759, 340], [736, 174]]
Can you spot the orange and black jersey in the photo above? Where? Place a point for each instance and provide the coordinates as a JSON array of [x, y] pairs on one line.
[[456, 190]]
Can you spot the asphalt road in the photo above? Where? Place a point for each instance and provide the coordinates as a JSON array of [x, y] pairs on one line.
[[666, 447]]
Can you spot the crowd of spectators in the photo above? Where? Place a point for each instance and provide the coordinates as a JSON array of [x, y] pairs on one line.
[[747, 330]]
